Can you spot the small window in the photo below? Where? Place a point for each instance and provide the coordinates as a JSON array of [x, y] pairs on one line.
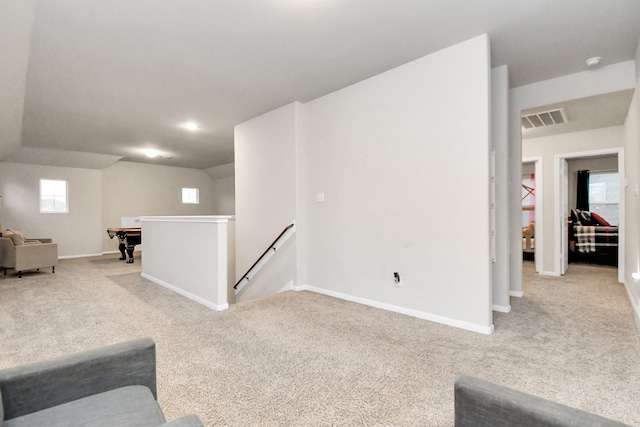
[[53, 196], [604, 195], [191, 196]]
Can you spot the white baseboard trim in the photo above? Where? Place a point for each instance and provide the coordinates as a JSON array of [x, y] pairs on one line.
[[517, 294], [549, 273], [501, 308], [287, 287], [94, 255], [79, 256], [634, 305], [487, 330], [200, 300], [117, 252]]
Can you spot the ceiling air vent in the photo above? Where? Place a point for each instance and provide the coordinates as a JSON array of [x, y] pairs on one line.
[[545, 118]]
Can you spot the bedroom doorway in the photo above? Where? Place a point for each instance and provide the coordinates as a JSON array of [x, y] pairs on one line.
[[605, 165], [532, 210]]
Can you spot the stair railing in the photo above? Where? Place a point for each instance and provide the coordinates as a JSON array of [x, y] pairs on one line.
[[271, 249]]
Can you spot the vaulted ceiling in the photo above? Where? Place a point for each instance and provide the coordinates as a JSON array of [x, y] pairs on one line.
[[89, 82]]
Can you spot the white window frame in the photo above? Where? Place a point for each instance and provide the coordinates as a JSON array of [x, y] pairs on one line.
[[190, 196], [56, 193]]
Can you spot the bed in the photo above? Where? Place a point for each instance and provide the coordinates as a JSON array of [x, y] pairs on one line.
[[592, 239]]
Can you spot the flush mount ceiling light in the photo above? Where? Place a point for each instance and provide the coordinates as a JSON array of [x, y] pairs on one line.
[[151, 153], [191, 126], [155, 154], [592, 62]]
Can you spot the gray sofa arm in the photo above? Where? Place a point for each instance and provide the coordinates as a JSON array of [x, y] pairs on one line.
[[479, 403], [35, 256], [186, 421], [39, 385], [7, 253]]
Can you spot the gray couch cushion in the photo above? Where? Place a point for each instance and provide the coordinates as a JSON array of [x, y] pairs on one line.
[[126, 406]]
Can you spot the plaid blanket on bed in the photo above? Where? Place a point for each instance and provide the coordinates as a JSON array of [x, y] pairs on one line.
[[590, 239]]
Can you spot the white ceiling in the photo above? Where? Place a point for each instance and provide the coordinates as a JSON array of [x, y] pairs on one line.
[[585, 113], [107, 78]]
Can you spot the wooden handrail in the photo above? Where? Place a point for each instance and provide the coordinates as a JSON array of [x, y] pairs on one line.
[[270, 247]]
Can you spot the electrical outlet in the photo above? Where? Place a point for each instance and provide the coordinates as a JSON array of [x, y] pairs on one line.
[[396, 278]]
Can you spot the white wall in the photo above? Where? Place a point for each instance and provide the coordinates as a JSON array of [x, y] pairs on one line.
[[224, 201], [632, 193], [200, 269], [406, 187], [16, 21], [265, 162], [224, 189], [137, 189], [98, 199], [401, 179], [77, 232], [500, 144], [547, 148]]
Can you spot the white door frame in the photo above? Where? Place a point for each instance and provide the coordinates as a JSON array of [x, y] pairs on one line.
[[619, 151], [563, 207], [538, 233]]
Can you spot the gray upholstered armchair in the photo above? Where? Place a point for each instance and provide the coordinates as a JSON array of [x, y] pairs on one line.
[[108, 386], [20, 254]]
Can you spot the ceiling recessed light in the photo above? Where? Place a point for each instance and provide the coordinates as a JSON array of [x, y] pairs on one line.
[[151, 153], [191, 126], [592, 62], [155, 154]]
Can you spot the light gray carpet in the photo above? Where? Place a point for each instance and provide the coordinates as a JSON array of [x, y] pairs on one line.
[[299, 358]]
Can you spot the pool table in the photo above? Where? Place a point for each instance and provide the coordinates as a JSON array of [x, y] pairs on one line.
[[128, 238]]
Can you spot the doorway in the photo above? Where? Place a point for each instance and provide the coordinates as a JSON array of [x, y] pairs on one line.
[[532, 211], [566, 167]]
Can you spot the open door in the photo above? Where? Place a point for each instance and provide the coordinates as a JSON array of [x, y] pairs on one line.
[[532, 200], [564, 215]]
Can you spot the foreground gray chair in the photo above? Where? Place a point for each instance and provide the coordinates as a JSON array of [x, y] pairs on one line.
[[109, 386], [480, 403]]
